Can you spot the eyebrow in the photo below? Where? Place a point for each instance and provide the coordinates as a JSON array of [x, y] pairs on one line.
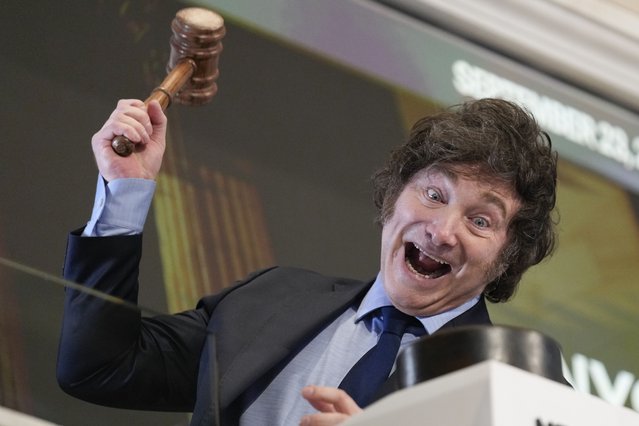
[[496, 201]]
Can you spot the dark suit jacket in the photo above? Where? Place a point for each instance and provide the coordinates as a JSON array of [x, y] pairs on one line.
[[215, 358]]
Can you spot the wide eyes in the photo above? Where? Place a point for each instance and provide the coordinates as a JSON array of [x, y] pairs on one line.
[[433, 195], [480, 222]]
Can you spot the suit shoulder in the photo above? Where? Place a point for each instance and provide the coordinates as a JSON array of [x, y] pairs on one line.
[[278, 282], [301, 276]]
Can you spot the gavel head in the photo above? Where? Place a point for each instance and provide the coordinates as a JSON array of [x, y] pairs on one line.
[[197, 35]]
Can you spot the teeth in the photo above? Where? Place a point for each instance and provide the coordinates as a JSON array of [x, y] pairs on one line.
[[413, 269], [441, 262]]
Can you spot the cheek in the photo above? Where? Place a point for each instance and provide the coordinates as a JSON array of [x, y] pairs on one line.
[[488, 256], [387, 245], [390, 232]]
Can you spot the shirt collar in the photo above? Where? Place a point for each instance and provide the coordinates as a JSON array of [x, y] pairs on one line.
[[376, 297]]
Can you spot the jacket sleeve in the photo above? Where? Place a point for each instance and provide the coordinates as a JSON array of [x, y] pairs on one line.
[[108, 353]]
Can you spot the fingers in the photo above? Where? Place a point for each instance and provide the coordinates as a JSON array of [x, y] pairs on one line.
[[130, 119], [334, 405], [326, 399], [324, 419], [157, 117], [143, 125]]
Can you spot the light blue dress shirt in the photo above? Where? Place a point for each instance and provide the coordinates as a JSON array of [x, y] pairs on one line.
[[120, 207]]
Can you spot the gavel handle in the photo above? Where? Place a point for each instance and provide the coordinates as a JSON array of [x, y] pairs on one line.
[[174, 81]]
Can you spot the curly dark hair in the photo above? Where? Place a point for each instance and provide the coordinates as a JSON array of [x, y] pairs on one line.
[[497, 140]]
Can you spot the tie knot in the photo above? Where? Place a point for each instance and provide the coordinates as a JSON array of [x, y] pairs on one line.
[[394, 321]]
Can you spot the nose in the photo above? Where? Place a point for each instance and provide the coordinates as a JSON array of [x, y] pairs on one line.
[[443, 229]]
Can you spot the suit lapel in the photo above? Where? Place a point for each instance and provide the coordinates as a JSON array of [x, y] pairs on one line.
[[296, 313], [478, 314]]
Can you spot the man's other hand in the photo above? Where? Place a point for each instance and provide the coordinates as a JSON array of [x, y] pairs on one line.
[[334, 405]]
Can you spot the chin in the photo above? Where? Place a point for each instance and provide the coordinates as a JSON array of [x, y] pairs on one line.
[[414, 297]]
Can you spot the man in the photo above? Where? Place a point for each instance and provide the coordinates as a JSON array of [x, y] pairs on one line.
[[465, 208]]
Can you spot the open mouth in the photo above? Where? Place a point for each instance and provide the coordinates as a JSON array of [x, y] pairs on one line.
[[424, 265]]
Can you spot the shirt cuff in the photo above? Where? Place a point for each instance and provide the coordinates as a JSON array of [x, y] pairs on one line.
[[120, 208]]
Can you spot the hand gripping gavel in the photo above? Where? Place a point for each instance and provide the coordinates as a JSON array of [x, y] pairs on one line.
[[193, 64]]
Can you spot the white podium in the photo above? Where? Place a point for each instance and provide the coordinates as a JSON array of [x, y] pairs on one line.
[[492, 394]]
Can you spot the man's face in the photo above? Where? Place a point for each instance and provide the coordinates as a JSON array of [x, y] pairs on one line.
[[442, 243]]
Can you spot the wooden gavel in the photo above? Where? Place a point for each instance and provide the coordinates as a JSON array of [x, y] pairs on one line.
[[193, 64]]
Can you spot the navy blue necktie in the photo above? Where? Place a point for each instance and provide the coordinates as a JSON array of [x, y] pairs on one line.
[[369, 373]]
